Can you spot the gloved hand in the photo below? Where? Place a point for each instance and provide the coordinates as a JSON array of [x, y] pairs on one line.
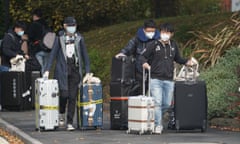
[[45, 75], [87, 77], [120, 55]]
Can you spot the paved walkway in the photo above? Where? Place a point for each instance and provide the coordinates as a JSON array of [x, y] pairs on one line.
[[23, 123]]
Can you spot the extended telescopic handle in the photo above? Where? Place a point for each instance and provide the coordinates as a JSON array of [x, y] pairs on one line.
[[144, 79]]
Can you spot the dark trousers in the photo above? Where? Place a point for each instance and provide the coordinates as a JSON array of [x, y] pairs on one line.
[[68, 97]]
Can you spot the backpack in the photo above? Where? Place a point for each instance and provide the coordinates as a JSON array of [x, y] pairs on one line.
[[47, 41]]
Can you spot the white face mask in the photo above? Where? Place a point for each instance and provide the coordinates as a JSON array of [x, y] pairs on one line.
[[150, 34], [71, 29], [165, 37], [20, 33]]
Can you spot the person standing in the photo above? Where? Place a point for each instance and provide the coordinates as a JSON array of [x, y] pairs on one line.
[[162, 52], [35, 32], [70, 53], [136, 46], [12, 44]]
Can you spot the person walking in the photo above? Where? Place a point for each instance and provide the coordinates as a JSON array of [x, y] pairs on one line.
[[137, 45], [70, 53], [12, 44], [36, 32], [159, 57]]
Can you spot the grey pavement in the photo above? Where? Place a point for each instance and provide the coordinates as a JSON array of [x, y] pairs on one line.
[[23, 125]]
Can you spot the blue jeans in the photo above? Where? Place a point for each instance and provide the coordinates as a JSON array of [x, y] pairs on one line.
[[162, 92], [4, 68], [42, 58]]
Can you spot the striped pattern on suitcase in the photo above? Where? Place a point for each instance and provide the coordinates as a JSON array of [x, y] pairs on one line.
[[140, 114]]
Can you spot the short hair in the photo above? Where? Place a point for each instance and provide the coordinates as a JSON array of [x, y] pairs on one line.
[[37, 12], [20, 24], [167, 27], [149, 24]]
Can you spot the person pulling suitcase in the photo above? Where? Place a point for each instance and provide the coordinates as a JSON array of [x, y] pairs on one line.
[[162, 53], [70, 53]]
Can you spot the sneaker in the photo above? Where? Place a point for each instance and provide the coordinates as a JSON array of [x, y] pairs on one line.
[[158, 129], [61, 120], [70, 127]]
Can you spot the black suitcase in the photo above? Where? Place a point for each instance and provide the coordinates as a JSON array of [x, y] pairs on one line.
[[119, 113], [123, 68], [31, 76], [190, 106], [123, 88], [14, 91]]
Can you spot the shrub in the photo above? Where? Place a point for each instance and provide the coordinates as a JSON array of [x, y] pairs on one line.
[[223, 80], [209, 47]]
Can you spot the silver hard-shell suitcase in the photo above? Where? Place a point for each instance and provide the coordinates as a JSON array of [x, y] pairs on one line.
[[141, 112], [46, 104]]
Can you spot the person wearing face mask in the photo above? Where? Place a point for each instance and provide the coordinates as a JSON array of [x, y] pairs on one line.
[[12, 44], [36, 32], [70, 53], [163, 53], [137, 45]]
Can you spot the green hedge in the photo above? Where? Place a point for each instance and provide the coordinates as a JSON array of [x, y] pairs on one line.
[[222, 85]]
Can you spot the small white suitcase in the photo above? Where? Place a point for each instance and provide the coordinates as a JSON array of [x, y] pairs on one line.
[[46, 104], [141, 112]]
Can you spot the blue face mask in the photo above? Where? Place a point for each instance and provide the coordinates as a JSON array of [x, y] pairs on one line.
[[20, 33], [71, 29]]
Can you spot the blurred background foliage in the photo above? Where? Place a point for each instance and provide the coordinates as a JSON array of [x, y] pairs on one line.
[[97, 13]]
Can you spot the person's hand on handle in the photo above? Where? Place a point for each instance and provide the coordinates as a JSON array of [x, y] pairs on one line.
[[46, 75], [146, 66]]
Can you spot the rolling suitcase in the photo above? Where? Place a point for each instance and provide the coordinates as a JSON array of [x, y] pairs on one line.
[[190, 106], [123, 88], [190, 96], [141, 112], [14, 91], [123, 68], [46, 104], [119, 113], [90, 107], [31, 76]]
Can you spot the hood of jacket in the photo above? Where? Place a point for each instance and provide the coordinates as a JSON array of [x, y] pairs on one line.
[[141, 35]]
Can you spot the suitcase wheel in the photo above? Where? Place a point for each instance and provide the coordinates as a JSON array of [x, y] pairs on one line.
[[128, 131]]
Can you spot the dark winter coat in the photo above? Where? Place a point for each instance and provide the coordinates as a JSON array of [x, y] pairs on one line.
[[11, 46], [59, 53], [35, 33], [137, 44]]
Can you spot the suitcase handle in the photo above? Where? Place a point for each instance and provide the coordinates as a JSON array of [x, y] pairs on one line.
[[144, 79]]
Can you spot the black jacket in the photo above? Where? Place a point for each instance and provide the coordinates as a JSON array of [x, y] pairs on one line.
[[161, 58], [11, 47], [35, 33], [137, 44]]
